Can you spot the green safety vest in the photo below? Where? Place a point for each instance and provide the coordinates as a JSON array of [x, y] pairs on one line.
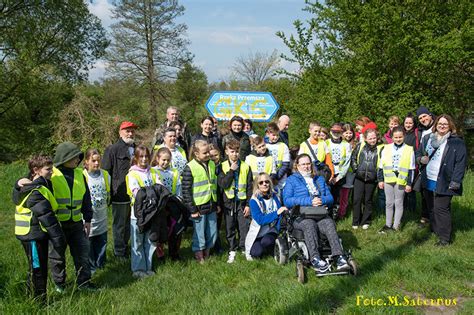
[[321, 154], [241, 185], [69, 203], [403, 166], [136, 175], [23, 215], [204, 184], [105, 176], [251, 161], [175, 179]]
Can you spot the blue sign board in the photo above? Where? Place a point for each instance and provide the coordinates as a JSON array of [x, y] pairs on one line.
[[256, 106]]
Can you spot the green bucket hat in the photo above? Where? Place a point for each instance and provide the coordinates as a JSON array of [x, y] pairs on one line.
[[66, 151]]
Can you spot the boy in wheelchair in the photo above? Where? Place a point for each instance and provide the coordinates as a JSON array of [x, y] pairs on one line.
[[309, 225]]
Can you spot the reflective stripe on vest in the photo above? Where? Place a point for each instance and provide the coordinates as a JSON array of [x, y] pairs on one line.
[[23, 215], [403, 166], [69, 203], [242, 183], [251, 161], [362, 145], [320, 154], [204, 184], [175, 179]]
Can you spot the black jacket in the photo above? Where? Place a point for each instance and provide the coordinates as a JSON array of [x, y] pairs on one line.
[[413, 138], [117, 162], [187, 189], [366, 168], [213, 139], [152, 217], [225, 181], [453, 166], [244, 140], [41, 212]]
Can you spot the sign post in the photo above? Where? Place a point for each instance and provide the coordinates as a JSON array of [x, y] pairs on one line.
[[256, 106]]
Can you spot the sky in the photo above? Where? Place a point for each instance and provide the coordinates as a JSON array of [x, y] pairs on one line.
[[222, 30]]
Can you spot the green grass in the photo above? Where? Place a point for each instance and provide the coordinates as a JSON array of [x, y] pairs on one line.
[[402, 264]]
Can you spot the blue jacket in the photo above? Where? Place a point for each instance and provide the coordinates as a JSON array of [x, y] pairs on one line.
[[295, 192], [453, 166], [259, 216]]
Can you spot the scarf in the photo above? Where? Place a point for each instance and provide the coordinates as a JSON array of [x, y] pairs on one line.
[[436, 142]]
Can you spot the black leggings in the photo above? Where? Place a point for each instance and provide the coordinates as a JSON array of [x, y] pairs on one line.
[[263, 245]]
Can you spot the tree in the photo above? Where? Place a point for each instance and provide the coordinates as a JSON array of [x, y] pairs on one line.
[[380, 58], [191, 91], [256, 67], [148, 45]]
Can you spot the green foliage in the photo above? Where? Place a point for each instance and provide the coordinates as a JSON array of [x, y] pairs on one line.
[[382, 58]]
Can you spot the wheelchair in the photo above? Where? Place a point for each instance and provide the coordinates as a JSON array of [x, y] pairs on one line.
[[290, 245]]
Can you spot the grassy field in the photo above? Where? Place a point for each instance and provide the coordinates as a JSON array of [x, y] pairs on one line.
[[404, 266]]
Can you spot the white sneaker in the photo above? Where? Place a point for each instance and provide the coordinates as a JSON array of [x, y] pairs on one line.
[[249, 257], [231, 258], [355, 227], [139, 274], [365, 226]]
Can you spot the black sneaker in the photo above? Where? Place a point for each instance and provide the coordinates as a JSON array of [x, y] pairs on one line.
[[385, 230]]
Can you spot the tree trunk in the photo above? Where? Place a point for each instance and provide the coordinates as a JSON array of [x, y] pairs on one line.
[[151, 66]]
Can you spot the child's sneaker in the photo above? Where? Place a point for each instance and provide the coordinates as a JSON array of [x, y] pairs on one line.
[[365, 226], [342, 264], [355, 227], [321, 266], [139, 274], [231, 258]]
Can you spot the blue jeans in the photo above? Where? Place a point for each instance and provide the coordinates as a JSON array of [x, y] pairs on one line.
[[205, 231], [97, 251], [142, 248]]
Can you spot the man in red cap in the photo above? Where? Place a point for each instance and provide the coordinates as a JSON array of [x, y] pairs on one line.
[[117, 161]]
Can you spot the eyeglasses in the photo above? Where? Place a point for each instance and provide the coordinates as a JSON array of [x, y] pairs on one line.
[[443, 124], [264, 182]]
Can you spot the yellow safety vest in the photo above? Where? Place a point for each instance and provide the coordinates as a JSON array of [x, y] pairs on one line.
[[23, 215], [69, 203], [175, 179], [280, 153], [204, 184], [105, 176], [251, 160], [321, 154], [136, 175], [403, 166], [362, 145], [241, 185]]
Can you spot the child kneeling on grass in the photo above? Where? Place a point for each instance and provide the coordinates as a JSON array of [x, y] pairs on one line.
[[235, 178], [199, 184], [36, 223], [98, 181]]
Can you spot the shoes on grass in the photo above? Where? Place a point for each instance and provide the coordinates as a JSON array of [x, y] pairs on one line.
[[231, 257], [385, 230], [342, 264], [365, 226], [319, 265]]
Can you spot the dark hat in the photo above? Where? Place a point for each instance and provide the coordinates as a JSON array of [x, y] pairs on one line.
[[127, 124], [66, 151], [423, 110]]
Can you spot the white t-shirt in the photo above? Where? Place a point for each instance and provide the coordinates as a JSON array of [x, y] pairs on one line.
[[432, 169], [166, 177], [315, 149], [273, 149], [134, 186], [98, 191], [178, 161]]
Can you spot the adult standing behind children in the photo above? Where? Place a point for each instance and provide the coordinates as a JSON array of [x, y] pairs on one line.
[[179, 159], [117, 161], [207, 134], [172, 114], [236, 126], [283, 125], [235, 178]]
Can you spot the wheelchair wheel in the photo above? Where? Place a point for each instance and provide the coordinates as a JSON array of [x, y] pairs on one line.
[[300, 271], [281, 251], [304, 250], [354, 269]]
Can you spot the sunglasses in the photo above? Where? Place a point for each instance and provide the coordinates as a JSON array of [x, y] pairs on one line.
[[264, 182]]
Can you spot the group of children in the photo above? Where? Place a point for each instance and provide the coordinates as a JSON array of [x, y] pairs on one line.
[[211, 189]]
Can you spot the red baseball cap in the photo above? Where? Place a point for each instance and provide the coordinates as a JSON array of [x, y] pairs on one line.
[[127, 124]]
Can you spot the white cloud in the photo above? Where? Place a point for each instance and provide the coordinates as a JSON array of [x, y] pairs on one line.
[[103, 10]]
